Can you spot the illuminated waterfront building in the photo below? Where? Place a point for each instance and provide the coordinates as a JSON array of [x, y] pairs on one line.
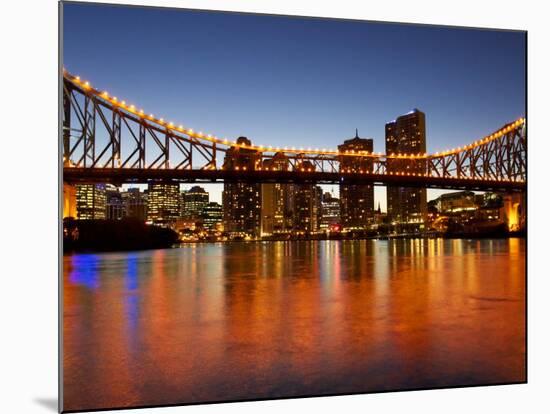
[[90, 201], [135, 203], [406, 135], [163, 203], [242, 200], [193, 201], [356, 201], [456, 202]]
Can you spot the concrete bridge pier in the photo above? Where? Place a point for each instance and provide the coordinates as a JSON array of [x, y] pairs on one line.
[[69, 200], [514, 211]]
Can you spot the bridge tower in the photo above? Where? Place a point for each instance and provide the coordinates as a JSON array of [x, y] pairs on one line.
[[69, 200], [514, 211]]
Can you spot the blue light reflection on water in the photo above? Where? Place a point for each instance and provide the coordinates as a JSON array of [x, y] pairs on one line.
[[85, 270], [132, 299]]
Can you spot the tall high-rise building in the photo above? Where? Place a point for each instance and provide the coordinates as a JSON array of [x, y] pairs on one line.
[[135, 203], [330, 211], [356, 201], [306, 205], [163, 202], [114, 203], [276, 208], [212, 216], [193, 201], [406, 135], [90, 201], [242, 200]]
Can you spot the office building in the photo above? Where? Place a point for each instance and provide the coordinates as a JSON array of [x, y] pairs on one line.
[[90, 201], [356, 201], [242, 200], [330, 212], [135, 203], [306, 201], [212, 216], [163, 203], [193, 201], [276, 209], [406, 135], [114, 203]]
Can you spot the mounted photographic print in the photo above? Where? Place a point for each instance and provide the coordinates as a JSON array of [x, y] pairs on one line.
[[261, 207]]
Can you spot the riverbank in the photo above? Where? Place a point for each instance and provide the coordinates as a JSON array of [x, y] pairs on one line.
[[114, 235]]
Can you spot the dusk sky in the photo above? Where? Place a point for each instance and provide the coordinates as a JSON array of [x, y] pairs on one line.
[[285, 81]]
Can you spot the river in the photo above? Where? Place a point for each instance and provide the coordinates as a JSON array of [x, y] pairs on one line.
[[233, 321]]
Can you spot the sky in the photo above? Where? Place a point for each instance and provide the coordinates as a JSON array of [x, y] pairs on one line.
[[288, 81]]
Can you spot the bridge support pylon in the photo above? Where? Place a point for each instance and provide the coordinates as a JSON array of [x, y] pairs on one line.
[[514, 212], [69, 200]]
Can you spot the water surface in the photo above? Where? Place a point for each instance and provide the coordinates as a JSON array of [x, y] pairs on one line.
[[211, 322]]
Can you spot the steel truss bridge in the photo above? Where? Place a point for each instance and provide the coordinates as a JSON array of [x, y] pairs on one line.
[[106, 139]]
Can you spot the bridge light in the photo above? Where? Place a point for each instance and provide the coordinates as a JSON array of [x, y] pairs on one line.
[[77, 78], [170, 125], [105, 94], [161, 120], [151, 116], [123, 103], [141, 112], [180, 127], [114, 99], [132, 107]]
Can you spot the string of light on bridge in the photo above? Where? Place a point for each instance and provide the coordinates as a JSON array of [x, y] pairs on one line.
[[161, 122]]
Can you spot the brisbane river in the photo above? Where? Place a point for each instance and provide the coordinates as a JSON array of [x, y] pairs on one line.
[[233, 321]]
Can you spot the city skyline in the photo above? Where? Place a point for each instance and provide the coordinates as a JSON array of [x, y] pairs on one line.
[[301, 81]]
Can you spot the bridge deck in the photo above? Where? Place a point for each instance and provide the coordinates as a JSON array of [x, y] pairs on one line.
[[138, 175]]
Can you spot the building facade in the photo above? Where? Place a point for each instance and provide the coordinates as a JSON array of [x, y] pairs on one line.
[[114, 203], [163, 203], [212, 217], [356, 201], [135, 203], [91, 201], [242, 200], [193, 201], [306, 202], [406, 135], [276, 207], [330, 212]]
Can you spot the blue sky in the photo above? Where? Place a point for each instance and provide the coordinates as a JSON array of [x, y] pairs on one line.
[[295, 81]]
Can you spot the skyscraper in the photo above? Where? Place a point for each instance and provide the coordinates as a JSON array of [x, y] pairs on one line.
[[356, 201], [306, 205], [193, 201], [406, 135], [163, 202], [276, 209], [242, 200], [212, 216], [135, 203], [114, 204], [90, 201], [330, 213]]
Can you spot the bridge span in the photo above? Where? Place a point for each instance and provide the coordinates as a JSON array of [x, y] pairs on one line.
[[106, 139]]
